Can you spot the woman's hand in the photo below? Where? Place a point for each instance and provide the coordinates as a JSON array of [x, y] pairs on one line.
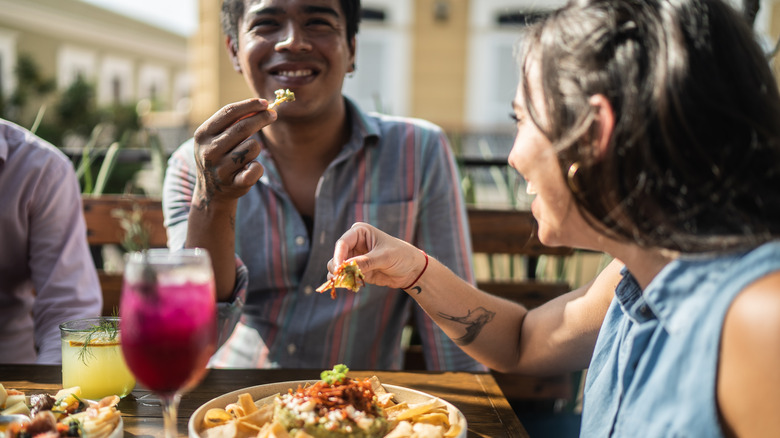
[[225, 152], [384, 260]]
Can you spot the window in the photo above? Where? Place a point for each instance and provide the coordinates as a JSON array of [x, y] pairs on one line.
[[493, 71], [3, 92], [380, 82], [520, 18], [153, 85], [115, 82], [181, 92], [74, 62], [372, 14], [7, 63]]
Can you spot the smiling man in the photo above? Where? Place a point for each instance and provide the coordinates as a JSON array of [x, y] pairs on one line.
[[269, 191]]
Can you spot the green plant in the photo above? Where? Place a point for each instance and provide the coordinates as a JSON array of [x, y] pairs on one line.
[[89, 153], [76, 109], [30, 85], [136, 236]]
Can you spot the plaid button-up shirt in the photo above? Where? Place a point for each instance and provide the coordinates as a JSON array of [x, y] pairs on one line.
[[397, 174]]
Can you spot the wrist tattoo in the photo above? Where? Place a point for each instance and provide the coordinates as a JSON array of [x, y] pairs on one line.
[[474, 321]]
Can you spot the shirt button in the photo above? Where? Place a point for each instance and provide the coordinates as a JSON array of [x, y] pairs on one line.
[[300, 240], [291, 349], [644, 310], [308, 290]]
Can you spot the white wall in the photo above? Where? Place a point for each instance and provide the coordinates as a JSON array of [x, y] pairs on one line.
[[74, 61], [381, 81], [7, 61], [153, 82], [113, 68]]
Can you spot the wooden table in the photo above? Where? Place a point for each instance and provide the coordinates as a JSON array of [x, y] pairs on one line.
[[477, 395]]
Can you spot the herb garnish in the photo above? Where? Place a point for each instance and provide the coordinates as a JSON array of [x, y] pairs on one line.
[[136, 231], [137, 236], [337, 375], [107, 330]]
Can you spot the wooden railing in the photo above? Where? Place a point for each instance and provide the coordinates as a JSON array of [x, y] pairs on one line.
[[512, 233], [493, 232], [103, 228]]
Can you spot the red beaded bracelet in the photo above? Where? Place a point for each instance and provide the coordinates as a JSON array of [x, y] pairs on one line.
[[421, 272]]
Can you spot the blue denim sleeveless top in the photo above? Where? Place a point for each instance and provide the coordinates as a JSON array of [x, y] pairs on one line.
[[654, 368]]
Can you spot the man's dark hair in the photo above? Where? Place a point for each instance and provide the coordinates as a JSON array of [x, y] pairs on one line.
[[233, 10]]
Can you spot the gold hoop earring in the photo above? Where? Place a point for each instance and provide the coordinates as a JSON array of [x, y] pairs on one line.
[[570, 175]]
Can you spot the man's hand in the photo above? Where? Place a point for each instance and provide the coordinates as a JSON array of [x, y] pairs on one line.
[[225, 154]]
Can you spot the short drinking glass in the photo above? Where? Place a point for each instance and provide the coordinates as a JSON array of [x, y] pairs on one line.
[[168, 314], [92, 358]]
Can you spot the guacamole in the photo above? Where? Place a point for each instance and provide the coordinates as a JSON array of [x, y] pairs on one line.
[[346, 408]]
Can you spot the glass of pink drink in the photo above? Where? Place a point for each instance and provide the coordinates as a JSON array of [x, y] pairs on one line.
[[168, 323]]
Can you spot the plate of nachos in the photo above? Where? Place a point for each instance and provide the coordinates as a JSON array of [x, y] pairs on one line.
[[336, 406]]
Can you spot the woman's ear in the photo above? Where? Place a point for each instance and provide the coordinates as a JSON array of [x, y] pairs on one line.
[[605, 122], [232, 48]]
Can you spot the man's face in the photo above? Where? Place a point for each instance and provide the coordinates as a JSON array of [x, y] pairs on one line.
[[296, 44]]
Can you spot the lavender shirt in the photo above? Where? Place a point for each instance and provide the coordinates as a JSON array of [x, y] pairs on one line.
[[47, 275]]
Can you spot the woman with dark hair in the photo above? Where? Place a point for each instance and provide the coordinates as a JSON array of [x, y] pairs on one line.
[[649, 130]]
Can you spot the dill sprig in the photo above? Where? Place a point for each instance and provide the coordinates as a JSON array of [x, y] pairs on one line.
[[107, 330], [136, 236]]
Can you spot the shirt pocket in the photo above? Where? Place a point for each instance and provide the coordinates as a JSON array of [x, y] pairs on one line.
[[398, 219]]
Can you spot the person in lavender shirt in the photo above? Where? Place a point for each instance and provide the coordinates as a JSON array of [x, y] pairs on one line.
[[648, 129], [47, 275]]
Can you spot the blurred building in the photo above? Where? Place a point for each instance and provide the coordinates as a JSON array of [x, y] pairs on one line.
[[448, 61], [127, 60]]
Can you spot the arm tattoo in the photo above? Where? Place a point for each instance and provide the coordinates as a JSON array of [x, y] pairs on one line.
[[210, 183], [474, 321]]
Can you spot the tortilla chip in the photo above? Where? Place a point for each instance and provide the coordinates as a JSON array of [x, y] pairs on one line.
[[273, 430], [259, 417], [227, 430], [417, 410], [215, 417], [246, 403]]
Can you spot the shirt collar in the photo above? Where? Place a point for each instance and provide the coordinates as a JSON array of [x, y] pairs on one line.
[[365, 133], [678, 291], [365, 129]]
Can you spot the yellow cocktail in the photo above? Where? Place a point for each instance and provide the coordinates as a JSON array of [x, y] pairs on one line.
[[92, 358]]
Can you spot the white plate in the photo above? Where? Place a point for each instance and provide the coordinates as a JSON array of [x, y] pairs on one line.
[[261, 391], [119, 430]]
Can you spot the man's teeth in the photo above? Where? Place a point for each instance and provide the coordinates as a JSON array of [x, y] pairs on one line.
[[529, 189], [294, 73]]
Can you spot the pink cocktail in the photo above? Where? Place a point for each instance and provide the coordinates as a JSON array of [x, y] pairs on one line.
[[168, 322], [173, 335]]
